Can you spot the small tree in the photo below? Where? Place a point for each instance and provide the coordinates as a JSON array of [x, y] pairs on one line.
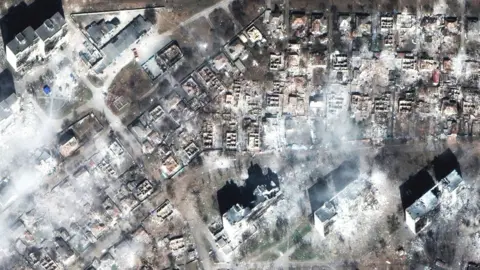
[[393, 223]]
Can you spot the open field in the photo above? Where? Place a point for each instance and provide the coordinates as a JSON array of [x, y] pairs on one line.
[[130, 84]]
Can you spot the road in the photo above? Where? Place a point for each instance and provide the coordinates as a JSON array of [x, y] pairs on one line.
[[198, 228], [313, 265], [147, 46], [154, 41]]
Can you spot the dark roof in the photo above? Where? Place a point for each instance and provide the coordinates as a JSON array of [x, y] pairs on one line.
[[50, 27], [28, 36], [23, 40], [125, 38], [334, 182], [415, 187], [98, 30], [473, 266]]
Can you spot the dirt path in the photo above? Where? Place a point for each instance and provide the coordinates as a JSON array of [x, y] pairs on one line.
[[186, 204]]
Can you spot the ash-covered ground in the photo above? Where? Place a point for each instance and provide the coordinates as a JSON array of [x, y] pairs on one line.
[[242, 134]]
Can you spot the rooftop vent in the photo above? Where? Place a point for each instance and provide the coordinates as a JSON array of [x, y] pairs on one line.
[[21, 38], [49, 24]]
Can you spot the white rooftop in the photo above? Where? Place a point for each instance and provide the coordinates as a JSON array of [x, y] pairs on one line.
[[423, 206], [326, 212], [452, 181]]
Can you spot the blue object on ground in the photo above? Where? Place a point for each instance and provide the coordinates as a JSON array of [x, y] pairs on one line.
[[46, 89]]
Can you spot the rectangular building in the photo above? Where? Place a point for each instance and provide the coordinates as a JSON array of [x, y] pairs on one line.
[[31, 44], [420, 214], [124, 39]]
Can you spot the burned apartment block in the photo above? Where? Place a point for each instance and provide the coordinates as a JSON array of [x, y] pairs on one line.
[[406, 102], [423, 193], [277, 61], [382, 104], [328, 191]]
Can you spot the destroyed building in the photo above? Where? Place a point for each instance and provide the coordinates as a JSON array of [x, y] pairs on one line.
[[101, 31], [235, 220], [235, 49], [154, 126], [298, 25], [253, 35], [170, 166], [421, 212], [361, 106], [45, 162], [124, 39], [421, 195], [157, 64], [212, 83], [324, 218], [235, 202], [68, 143], [322, 194]]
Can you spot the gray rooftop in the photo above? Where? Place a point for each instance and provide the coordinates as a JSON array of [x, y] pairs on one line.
[[50, 27], [23, 40], [101, 31], [152, 68], [326, 212], [452, 181], [330, 185], [125, 38], [29, 37], [236, 213], [423, 206], [5, 106]]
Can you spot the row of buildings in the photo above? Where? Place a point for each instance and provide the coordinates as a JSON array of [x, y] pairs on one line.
[[425, 195]]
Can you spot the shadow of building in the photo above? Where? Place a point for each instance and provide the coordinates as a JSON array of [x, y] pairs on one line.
[[7, 84], [232, 194], [415, 187], [444, 164], [7, 93], [331, 184]]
